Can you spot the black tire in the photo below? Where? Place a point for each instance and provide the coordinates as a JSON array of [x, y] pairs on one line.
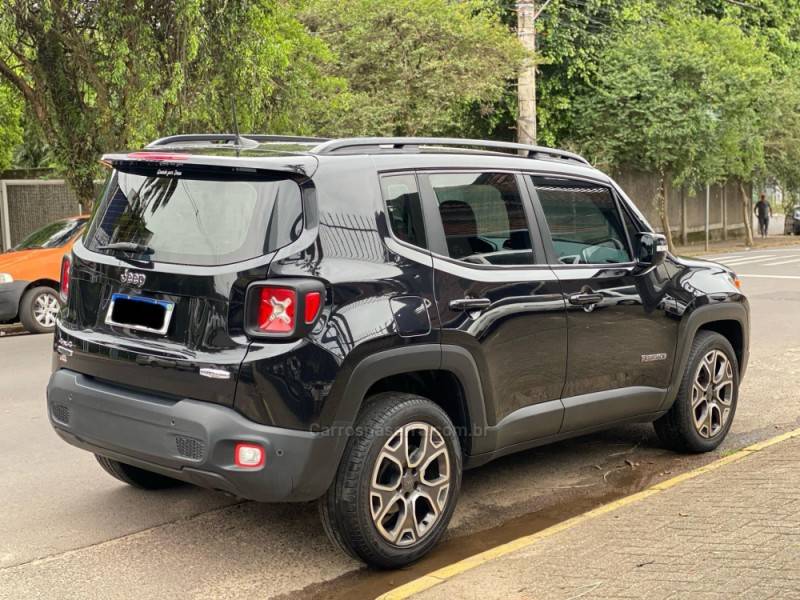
[[136, 477], [346, 509], [676, 429], [27, 308]]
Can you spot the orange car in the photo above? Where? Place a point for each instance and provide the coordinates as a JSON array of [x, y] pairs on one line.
[[30, 273]]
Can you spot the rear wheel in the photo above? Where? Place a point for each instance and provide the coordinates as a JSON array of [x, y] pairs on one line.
[[703, 411], [398, 482], [38, 309], [134, 476]]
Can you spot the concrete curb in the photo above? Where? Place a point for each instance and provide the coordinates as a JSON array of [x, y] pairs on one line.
[[441, 575]]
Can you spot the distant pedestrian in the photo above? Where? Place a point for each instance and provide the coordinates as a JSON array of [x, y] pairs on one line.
[[763, 212]]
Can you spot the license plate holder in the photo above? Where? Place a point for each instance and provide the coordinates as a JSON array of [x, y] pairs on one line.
[[140, 313]]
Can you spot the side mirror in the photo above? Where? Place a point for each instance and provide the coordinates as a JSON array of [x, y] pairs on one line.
[[651, 249]]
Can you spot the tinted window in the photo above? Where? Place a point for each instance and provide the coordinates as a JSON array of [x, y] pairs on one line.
[[202, 221], [403, 208], [632, 230], [52, 235], [483, 218], [584, 222]]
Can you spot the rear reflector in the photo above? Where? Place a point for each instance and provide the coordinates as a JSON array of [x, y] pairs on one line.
[[249, 456], [276, 310], [313, 302], [66, 267]]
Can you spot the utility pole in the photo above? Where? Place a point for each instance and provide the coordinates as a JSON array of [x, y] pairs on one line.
[[527, 13]]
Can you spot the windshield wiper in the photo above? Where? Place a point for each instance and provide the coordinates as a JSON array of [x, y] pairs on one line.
[[131, 247]]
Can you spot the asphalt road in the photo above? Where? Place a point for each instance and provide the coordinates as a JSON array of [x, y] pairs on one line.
[[67, 530]]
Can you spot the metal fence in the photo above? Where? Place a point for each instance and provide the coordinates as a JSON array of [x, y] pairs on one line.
[[28, 204], [687, 207]]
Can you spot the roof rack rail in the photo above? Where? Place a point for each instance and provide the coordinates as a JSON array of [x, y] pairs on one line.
[[197, 138], [376, 144]]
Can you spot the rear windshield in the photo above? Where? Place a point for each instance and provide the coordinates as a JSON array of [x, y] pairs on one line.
[[53, 235], [196, 219]]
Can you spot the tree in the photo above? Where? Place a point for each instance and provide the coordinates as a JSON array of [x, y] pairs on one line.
[[10, 124], [572, 36], [681, 97], [414, 66], [108, 74]]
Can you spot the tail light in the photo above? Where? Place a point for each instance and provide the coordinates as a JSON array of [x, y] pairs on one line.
[[277, 310], [66, 267], [285, 308]]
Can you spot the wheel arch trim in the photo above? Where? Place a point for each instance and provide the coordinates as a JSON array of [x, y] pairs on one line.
[[704, 315], [408, 359]]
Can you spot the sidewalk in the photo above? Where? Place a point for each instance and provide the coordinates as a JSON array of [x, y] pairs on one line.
[[731, 246], [733, 532]]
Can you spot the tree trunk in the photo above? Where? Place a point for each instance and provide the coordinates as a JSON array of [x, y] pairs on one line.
[[83, 185], [663, 210], [746, 215]]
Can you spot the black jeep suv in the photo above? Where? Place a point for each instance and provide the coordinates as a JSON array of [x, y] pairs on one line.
[[358, 320]]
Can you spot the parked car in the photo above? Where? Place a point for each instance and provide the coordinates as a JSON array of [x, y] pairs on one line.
[[355, 321], [30, 274], [791, 224]]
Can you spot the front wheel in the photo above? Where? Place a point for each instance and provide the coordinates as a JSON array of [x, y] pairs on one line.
[[702, 413], [397, 484]]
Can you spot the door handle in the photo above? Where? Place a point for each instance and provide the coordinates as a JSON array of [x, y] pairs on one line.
[[470, 303], [585, 298]]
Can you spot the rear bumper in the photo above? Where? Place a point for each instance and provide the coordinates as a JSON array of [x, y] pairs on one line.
[[189, 440], [10, 294]]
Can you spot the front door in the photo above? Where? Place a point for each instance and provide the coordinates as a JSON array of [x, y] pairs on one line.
[[621, 338], [498, 299]]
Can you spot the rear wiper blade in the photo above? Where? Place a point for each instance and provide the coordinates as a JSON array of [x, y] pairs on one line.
[[127, 247]]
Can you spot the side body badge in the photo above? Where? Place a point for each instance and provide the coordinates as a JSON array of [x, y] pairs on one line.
[[212, 373], [646, 358]]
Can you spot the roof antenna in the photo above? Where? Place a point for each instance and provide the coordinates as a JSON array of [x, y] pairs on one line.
[[238, 139]]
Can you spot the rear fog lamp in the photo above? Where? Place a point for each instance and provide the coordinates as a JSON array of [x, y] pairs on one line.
[[248, 456]]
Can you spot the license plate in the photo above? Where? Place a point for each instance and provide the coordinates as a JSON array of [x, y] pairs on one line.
[[140, 313]]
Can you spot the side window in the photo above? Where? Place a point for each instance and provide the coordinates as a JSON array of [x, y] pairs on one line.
[[403, 208], [632, 230], [483, 218], [584, 221]]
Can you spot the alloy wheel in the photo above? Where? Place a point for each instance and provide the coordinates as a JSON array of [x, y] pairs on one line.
[[45, 309], [712, 393], [410, 484]]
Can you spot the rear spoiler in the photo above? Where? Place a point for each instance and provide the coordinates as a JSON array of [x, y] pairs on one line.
[[294, 164]]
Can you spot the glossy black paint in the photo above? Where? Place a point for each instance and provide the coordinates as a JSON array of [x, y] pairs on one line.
[[530, 367]]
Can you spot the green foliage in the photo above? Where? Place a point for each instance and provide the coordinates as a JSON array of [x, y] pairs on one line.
[[571, 38], [414, 66], [700, 90], [111, 74], [10, 124], [684, 95]]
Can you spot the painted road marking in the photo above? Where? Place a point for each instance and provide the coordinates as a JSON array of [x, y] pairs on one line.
[[768, 276], [441, 575], [750, 259], [781, 249], [783, 262]]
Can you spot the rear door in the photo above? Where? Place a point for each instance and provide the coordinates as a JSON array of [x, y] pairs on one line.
[[158, 282], [498, 300], [621, 337]]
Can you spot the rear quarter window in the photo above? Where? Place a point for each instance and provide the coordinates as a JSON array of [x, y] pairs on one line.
[[403, 208], [198, 220]]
